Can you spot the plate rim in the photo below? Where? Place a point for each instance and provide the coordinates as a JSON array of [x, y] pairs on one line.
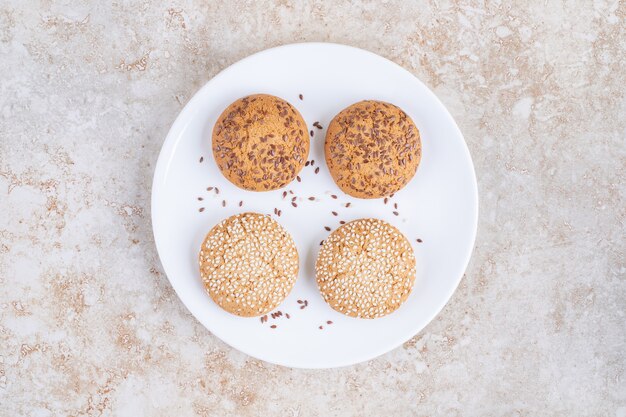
[[188, 111]]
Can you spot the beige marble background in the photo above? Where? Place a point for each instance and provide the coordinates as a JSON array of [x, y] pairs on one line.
[[89, 324]]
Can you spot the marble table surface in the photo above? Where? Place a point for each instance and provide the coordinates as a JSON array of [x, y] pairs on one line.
[[89, 324]]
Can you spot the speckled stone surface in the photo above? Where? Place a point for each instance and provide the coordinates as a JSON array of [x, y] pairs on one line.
[[89, 324]]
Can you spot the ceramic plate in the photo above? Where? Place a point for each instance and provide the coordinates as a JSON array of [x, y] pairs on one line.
[[439, 206]]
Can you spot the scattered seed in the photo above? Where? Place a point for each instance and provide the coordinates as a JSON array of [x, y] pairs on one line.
[[329, 322], [321, 243], [209, 189], [348, 205], [294, 198], [312, 198], [301, 307], [201, 209], [321, 327], [201, 159], [284, 194], [298, 178], [386, 200], [311, 133], [391, 196], [419, 240], [279, 211], [300, 301], [223, 203], [294, 204], [335, 213], [318, 125], [395, 205], [342, 222], [287, 315], [241, 203], [312, 162], [333, 196], [317, 170], [217, 190], [200, 198], [306, 164], [306, 303], [290, 191], [301, 96], [327, 228], [275, 211], [273, 326], [395, 213]]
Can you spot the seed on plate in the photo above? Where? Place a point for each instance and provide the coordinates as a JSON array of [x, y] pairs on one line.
[[300, 301], [301, 96], [386, 200], [284, 194], [217, 190], [294, 204], [333, 196], [395, 213], [223, 203], [327, 228], [298, 178], [201, 159], [317, 170], [311, 133], [241, 203], [273, 326], [287, 315], [419, 240], [395, 205], [201, 209], [321, 327], [209, 189], [342, 222], [329, 322], [312, 198], [348, 205], [335, 213], [200, 198], [306, 164]]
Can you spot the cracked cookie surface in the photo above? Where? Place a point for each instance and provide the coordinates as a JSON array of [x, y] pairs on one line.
[[260, 142], [366, 269], [248, 264], [372, 149]]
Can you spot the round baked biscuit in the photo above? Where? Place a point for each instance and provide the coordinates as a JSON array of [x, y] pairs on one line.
[[372, 149], [260, 142], [248, 264], [366, 269]]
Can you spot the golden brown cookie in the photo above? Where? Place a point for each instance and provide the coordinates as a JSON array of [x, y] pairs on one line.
[[372, 149], [366, 269], [260, 142], [248, 264]]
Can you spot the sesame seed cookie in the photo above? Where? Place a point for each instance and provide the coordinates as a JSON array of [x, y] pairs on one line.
[[248, 264], [260, 142], [365, 269], [372, 149]]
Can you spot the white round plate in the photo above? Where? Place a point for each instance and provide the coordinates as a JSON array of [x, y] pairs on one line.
[[438, 206]]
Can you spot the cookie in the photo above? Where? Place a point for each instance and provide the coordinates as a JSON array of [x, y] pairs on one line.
[[248, 264], [365, 269], [260, 142], [372, 149]]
